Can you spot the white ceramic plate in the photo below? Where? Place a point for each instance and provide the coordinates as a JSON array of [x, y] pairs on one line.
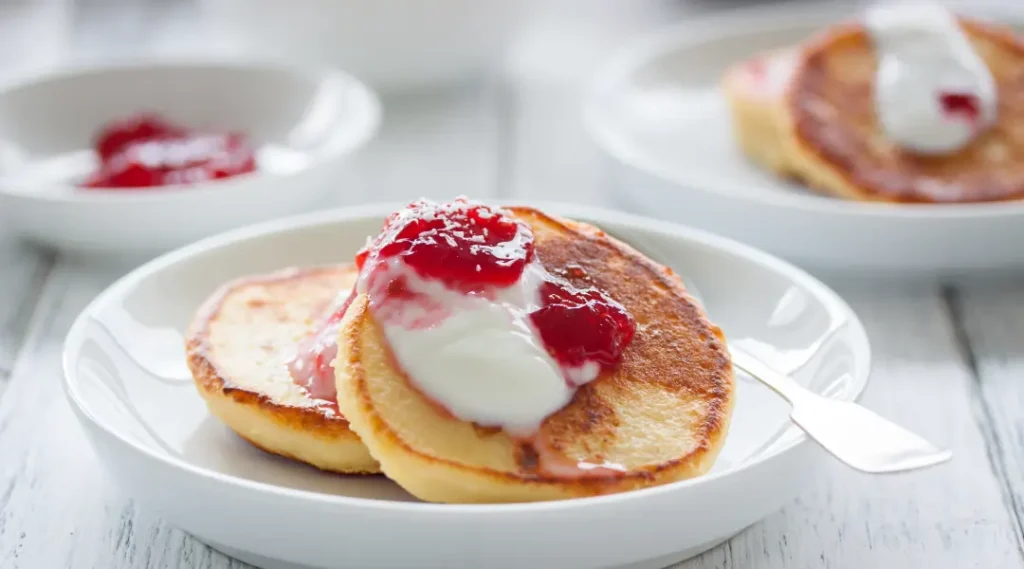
[[127, 381], [657, 112], [304, 121]]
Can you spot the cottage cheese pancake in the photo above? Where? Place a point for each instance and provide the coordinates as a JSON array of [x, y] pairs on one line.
[[239, 347], [630, 385]]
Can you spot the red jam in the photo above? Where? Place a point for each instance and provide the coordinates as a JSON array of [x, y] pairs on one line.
[[473, 249], [313, 365], [146, 151], [580, 326], [467, 247], [964, 106]]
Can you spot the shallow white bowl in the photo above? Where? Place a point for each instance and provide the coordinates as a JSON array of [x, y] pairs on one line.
[[305, 122], [657, 112], [126, 378], [393, 44]]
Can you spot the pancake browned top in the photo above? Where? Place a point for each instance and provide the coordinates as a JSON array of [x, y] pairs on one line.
[[662, 414], [831, 103], [676, 351]]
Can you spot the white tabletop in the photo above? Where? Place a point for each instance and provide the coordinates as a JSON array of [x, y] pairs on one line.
[[948, 357]]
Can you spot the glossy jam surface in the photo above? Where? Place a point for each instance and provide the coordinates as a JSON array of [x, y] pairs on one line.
[[582, 326], [467, 247], [473, 249], [147, 151], [467, 275]]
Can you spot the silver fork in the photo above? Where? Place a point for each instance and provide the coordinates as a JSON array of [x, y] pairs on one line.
[[853, 434]]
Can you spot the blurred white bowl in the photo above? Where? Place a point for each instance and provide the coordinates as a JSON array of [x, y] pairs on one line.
[[392, 44], [304, 122]]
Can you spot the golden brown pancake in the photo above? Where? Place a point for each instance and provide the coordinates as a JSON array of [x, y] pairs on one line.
[[662, 415], [238, 348], [822, 127], [840, 147]]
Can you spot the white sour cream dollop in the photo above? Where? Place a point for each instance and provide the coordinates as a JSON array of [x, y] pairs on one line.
[[924, 57], [479, 357]]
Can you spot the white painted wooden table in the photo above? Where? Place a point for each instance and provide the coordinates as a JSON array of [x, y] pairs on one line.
[[949, 359]]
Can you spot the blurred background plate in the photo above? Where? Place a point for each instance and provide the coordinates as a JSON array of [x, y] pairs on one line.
[[304, 122], [657, 113]]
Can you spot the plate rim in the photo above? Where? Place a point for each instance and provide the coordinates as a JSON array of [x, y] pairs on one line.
[[74, 338], [736, 23]]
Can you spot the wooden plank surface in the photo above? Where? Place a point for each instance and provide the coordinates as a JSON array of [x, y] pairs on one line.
[[992, 318], [24, 270]]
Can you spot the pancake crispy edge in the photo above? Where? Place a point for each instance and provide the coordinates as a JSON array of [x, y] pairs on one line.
[[236, 348], [664, 414]]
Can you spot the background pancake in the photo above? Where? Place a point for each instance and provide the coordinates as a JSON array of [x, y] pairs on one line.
[[238, 348], [838, 145], [663, 414], [807, 113]]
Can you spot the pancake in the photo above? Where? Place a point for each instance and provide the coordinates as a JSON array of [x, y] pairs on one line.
[[238, 348], [662, 415], [839, 146], [822, 127]]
